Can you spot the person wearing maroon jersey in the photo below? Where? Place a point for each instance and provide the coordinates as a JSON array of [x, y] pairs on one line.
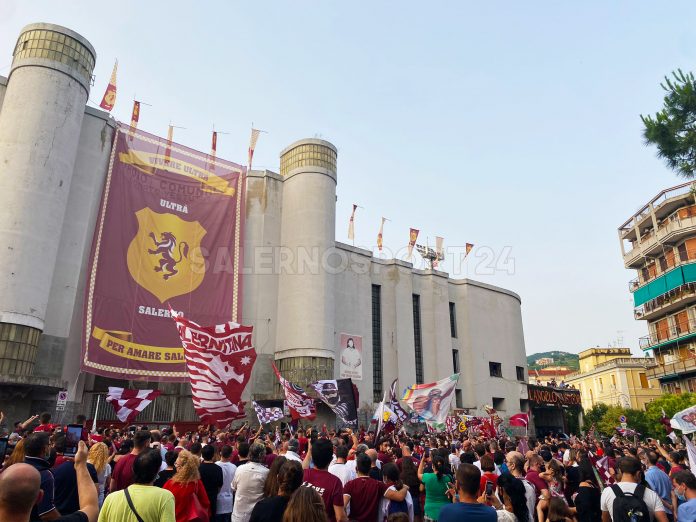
[[122, 476], [327, 485], [364, 494]]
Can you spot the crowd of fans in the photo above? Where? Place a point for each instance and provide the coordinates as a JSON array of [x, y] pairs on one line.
[[243, 475]]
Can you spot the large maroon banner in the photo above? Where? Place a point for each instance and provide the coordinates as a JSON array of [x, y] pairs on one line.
[[168, 235]]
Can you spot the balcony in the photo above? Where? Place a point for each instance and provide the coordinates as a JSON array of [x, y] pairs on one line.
[[680, 332], [663, 204], [672, 369], [650, 244], [668, 302]]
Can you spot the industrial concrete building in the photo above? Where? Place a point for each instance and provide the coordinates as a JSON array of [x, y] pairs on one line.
[[301, 288]]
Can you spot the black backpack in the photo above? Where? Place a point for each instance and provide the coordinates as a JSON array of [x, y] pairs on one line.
[[630, 507]]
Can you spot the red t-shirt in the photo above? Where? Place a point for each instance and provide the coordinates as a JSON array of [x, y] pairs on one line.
[[399, 462], [123, 472], [303, 441], [329, 487], [488, 477], [366, 494], [384, 458], [182, 497], [45, 427]]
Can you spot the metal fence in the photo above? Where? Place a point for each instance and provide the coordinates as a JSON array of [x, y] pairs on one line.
[[164, 409]]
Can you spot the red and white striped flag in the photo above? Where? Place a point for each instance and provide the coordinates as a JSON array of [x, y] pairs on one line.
[[128, 403], [351, 223], [219, 360], [109, 99], [379, 235], [300, 404], [252, 144]]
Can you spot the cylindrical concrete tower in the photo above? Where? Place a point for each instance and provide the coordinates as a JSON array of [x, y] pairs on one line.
[[305, 333], [40, 126]]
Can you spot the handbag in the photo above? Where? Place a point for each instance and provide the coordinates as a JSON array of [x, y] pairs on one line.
[[131, 506], [196, 512]]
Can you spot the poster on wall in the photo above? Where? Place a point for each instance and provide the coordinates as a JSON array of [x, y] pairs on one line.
[[351, 353], [168, 234]]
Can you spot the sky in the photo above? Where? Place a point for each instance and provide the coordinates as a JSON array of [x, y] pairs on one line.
[[514, 126]]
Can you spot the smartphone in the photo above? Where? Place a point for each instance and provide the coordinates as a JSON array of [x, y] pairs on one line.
[[72, 439], [489, 488], [427, 452], [3, 449]]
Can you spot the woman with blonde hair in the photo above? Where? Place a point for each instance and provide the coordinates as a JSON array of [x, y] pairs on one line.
[[188, 489], [17, 455], [305, 505], [99, 458]]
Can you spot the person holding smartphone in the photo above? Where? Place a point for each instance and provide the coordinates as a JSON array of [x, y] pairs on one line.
[[467, 506]]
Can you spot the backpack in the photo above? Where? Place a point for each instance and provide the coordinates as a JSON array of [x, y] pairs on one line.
[[629, 507]]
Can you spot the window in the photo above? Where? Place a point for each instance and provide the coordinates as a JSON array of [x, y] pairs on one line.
[[499, 403], [524, 405], [643, 380], [601, 385], [458, 398], [417, 339], [683, 255], [455, 361], [453, 321], [613, 381], [496, 369], [376, 343], [520, 373], [663, 263]]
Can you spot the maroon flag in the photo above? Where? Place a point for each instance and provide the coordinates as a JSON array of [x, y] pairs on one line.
[[300, 404], [168, 233], [219, 360], [520, 420], [128, 403]]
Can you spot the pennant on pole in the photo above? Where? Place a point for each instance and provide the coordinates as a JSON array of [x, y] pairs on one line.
[[213, 149], [379, 235], [135, 115], [128, 403], [469, 246], [351, 223], [168, 149], [109, 99], [412, 237], [219, 360], [438, 251], [300, 404], [252, 145]]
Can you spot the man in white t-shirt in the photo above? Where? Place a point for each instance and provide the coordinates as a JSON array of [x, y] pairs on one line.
[[339, 468], [628, 480]]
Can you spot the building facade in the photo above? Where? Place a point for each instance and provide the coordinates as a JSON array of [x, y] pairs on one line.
[[612, 376], [302, 289], [659, 243]]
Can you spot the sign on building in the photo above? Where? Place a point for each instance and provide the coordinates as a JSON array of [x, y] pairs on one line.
[[61, 400]]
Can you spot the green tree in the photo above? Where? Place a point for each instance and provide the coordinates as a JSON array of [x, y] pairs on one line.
[[673, 129], [671, 403], [635, 419], [595, 414]]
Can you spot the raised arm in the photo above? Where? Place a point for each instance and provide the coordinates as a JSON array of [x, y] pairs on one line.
[[86, 492], [421, 464]]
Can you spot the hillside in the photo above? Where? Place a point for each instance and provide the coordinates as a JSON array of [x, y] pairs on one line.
[[559, 359]]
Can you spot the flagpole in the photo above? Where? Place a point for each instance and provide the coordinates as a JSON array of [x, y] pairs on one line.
[[96, 413]]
